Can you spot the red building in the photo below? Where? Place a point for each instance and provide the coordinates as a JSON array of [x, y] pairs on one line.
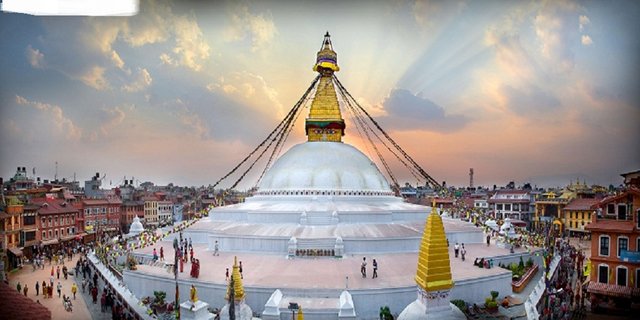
[[615, 251], [101, 215], [56, 220]]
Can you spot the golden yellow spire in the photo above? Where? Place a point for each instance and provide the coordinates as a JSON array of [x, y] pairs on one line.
[[325, 121], [238, 289], [434, 268], [300, 314]]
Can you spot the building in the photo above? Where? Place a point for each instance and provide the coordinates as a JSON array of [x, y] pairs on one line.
[[509, 203], [165, 212], [101, 215], [29, 237], [577, 214], [57, 220], [10, 230], [548, 210], [615, 250], [151, 210]]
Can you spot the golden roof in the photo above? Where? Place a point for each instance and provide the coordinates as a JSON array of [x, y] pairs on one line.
[[325, 121], [434, 268], [238, 289]]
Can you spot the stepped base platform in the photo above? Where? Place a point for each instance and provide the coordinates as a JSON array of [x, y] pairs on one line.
[[321, 280]]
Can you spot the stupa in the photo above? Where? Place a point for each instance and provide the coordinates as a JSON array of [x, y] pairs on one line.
[[235, 297], [433, 277], [136, 227], [319, 209]]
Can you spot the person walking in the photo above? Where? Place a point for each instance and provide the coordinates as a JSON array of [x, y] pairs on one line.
[[463, 252], [456, 249], [74, 289], [241, 275], [488, 239], [375, 269], [25, 289], [19, 287], [227, 274], [161, 254], [363, 267], [58, 272], [215, 249], [59, 288], [37, 288]]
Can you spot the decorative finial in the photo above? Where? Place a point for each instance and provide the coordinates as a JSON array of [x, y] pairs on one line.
[[326, 59]]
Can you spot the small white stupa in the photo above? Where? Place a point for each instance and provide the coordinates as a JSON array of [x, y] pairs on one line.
[[136, 227]]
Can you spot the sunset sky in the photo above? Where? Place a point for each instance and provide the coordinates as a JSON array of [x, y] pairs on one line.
[[540, 92]]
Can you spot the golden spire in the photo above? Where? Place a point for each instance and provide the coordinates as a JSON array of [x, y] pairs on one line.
[[300, 314], [238, 289], [434, 268], [325, 121]]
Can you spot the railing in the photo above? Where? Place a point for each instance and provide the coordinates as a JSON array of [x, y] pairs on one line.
[[628, 217]]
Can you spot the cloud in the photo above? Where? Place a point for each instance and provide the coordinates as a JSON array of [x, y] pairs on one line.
[[195, 123], [556, 32], [55, 115], [94, 78], [586, 40], [249, 89], [431, 14], [511, 56], [259, 27], [190, 47], [406, 111], [35, 57], [584, 20], [529, 101], [142, 81], [114, 117]]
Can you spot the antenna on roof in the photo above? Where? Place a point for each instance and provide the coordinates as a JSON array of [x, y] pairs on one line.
[[55, 177]]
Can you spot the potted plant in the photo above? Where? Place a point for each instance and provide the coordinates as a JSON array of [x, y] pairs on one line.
[[159, 304], [490, 303]]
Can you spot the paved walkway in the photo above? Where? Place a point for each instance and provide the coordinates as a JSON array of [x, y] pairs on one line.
[[29, 277], [83, 307]]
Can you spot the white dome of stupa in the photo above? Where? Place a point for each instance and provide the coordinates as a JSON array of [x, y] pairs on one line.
[[136, 226], [324, 166]]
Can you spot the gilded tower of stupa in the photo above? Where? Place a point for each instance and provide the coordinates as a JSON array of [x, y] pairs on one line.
[[325, 121], [241, 309], [433, 275]]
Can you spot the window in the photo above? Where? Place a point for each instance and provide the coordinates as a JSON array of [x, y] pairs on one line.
[[50, 234], [622, 211], [637, 277], [604, 246], [603, 273], [507, 206], [638, 223], [621, 279], [56, 233], [29, 220], [50, 222], [499, 206], [623, 244], [44, 236], [611, 209]]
